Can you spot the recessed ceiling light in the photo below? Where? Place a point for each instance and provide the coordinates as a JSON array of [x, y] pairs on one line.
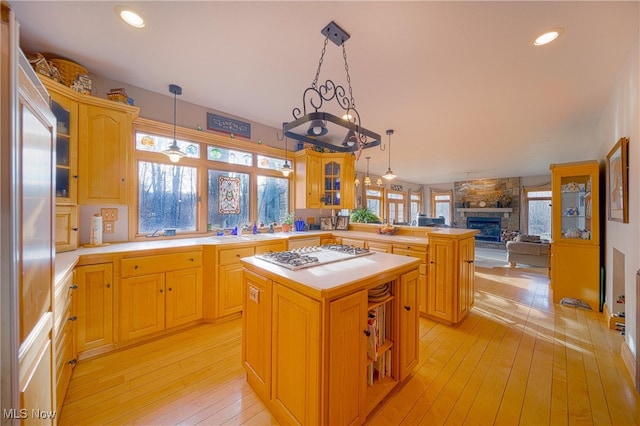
[[130, 16], [548, 36]]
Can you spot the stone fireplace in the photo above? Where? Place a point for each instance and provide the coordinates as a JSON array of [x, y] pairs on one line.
[[490, 203]]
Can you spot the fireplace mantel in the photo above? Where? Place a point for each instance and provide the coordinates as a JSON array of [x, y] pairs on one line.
[[504, 210]]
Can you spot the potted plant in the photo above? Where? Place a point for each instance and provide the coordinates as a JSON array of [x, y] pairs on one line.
[[287, 222], [364, 215]]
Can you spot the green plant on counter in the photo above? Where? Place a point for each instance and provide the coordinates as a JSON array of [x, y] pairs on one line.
[[364, 215], [289, 218]]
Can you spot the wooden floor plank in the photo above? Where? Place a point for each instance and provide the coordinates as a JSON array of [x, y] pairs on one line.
[[516, 359]]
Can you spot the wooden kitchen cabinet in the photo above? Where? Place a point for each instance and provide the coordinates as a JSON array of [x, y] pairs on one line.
[[64, 320], [158, 292], [408, 329], [229, 284], [450, 284], [292, 380], [324, 180], [575, 233], [104, 139], [93, 146], [94, 307], [419, 252], [67, 231]]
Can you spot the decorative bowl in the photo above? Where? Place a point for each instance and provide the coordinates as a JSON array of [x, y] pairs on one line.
[[387, 230]]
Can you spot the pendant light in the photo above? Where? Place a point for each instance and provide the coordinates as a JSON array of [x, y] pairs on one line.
[[389, 174], [173, 152], [367, 179], [286, 169]]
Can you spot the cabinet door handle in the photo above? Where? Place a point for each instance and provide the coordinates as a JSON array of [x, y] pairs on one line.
[[74, 229], [238, 255], [192, 259], [170, 289], [73, 361], [408, 308], [469, 261], [108, 285], [432, 262], [75, 176], [73, 318], [161, 291], [73, 287], [367, 333], [135, 266]]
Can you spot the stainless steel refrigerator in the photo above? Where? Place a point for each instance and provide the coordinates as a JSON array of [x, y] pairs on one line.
[[27, 243]]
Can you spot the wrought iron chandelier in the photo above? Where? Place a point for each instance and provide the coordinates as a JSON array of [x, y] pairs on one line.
[[173, 152], [342, 133]]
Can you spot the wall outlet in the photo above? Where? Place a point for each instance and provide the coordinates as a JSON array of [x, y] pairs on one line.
[[109, 215], [109, 227]]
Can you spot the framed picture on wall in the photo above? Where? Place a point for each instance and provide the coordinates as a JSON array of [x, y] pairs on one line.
[[342, 224], [326, 224], [617, 182]]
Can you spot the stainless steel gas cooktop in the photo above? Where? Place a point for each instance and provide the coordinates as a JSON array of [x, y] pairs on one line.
[[306, 257]]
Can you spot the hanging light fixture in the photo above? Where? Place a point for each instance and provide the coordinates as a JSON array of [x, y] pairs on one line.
[[367, 179], [356, 182], [173, 152], [379, 183], [342, 132], [286, 170], [389, 174]]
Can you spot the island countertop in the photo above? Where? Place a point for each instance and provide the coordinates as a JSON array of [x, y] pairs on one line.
[[336, 279]]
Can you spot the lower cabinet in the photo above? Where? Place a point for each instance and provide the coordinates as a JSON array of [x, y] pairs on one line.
[[159, 292], [67, 233], [450, 287], [229, 274], [419, 252], [94, 306], [288, 364], [64, 320]]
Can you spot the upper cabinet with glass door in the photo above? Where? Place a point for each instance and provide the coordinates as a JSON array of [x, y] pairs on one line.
[[324, 180], [66, 113], [575, 202]]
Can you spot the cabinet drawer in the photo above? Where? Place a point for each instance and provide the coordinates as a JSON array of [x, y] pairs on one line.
[[146, 265], [264, 248], [423, 269], [230, 256], [413, 251], [379, 247], [352, 242]]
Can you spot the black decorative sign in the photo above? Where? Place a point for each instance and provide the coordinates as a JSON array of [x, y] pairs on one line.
[[228, 125], [396, 187]]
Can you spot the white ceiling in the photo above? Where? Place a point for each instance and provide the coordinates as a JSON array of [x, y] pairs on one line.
[[459, 82]]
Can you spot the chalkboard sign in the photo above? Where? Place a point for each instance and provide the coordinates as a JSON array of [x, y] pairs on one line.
[[228, 125]]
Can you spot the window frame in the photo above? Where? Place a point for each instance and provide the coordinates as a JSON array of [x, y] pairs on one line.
[[439, 192], [396, 201], [203, 166], [525, 195]]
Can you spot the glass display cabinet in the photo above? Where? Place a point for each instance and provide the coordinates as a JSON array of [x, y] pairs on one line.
[[575, 233]]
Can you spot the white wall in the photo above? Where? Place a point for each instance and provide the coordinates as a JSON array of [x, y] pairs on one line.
[[620, 119]]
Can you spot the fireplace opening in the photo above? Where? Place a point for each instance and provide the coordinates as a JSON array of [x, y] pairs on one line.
[[489, 227]]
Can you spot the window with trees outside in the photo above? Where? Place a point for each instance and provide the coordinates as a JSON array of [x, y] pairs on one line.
[[442, 205], [538, 212], [217, 185]]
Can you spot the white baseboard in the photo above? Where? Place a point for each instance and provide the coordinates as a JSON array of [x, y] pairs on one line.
[[629, 361]]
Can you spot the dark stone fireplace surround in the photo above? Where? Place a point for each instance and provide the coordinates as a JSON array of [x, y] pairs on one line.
[[489, 227], [479, 194]]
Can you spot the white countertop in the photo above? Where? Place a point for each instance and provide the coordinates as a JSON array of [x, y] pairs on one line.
[[332, 276]]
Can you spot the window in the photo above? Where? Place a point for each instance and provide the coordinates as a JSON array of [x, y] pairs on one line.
[[441, 205], [374, 201], [215, 185], [167, 197], [538, 212], [415, 205], [395, 206]]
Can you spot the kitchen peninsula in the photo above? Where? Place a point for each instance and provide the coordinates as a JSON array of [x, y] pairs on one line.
[[320, 345]]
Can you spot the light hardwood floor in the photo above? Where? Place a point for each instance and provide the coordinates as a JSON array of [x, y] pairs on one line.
[[516, 359]]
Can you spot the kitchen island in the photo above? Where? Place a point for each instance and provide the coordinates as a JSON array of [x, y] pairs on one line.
[[320, 345]]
